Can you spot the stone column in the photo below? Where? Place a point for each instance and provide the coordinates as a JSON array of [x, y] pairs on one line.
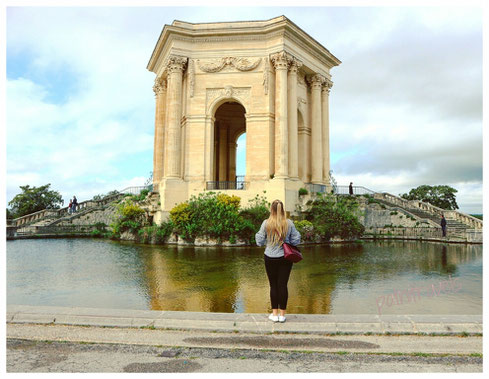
[[175, 67], [232, 147], [209, 149], [223, 152], [159, 89], [316, 82], [281, 63], [325, 128], [292, 120]]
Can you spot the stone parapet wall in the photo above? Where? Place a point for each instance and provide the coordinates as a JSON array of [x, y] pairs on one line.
[[374, 216], [474, 236], [97, 215]]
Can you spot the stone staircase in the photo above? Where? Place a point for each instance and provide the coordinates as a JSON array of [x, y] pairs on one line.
[[49, 221], [417, 212], [458, 224]]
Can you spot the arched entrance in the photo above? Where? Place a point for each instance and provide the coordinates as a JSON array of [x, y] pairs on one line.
[[229, 125]]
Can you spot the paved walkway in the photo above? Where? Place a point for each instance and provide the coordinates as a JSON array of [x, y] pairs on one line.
[[156, 341], [247, 322]]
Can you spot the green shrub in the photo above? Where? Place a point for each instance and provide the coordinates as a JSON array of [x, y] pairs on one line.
[[334, 216], [129, 217], [252, 216], [303, 191], [197, 217], [306, 229]]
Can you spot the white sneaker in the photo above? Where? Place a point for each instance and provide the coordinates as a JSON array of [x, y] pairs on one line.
[[273, 318], [281, 318]]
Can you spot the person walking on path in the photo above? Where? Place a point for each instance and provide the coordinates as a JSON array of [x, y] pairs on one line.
[[273, 232], [443, 224], [70, 205], [75, 203], [350, 189]]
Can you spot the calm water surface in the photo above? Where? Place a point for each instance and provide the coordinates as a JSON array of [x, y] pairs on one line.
[[336, 279]]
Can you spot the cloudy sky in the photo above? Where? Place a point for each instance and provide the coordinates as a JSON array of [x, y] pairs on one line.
[[405, 108]]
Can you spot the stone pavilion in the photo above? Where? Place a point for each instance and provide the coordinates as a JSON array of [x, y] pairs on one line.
[[214, 82]]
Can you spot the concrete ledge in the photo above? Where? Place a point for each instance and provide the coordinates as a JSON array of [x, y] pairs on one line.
[[246, 322]]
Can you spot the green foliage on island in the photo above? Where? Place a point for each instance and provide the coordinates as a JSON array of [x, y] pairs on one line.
[[34, 199], [334, 216], [218, 216], [306, 229], [479, 216], [441, 196], [129, 217]]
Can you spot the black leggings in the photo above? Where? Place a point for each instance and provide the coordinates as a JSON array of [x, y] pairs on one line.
[[278, 272]]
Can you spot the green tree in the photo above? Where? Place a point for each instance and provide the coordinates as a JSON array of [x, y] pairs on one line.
[[34, 199], [441, 196]]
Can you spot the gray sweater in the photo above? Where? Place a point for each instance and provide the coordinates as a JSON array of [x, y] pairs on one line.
[[292, 237]]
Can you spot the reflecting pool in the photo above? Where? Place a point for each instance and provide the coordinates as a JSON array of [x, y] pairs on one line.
[[391, 277]]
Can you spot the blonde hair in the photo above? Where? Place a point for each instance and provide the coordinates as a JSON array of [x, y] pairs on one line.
[[276, 224]]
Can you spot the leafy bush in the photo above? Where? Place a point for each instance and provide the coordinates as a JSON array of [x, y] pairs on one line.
[[303, 191], [197, 216], [130, 217], [157, 234], [335, 217], [306, 229], [252, 216], [142, 195]]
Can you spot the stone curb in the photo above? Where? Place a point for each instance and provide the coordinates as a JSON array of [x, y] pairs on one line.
[[246, 322]]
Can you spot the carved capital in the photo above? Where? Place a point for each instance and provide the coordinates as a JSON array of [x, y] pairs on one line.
[[176, 63], [281, 60], [316, 81], [159, 86], [327, 85], [295, 65]]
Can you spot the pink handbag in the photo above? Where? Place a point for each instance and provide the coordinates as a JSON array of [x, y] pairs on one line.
[[292, 253]]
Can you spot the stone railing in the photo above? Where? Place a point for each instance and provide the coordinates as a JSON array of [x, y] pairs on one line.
[[392, 199], [36, 216], [357, 190], [472, 221]]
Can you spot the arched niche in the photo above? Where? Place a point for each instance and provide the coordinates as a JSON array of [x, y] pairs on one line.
[[229, 124]]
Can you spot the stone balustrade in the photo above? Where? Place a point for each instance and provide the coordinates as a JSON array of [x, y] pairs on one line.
[[56, 213], [473, 222]]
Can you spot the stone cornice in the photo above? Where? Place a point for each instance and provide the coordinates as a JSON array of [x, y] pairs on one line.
[[253, 30]]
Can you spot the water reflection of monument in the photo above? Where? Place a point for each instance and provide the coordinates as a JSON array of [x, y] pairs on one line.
[[183, 279], [234, 280]]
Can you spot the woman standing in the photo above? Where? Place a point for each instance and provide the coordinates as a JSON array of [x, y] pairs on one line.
[[274, 231]]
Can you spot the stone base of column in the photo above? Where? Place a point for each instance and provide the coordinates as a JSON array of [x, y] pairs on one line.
[[172, 191], [287, 190]]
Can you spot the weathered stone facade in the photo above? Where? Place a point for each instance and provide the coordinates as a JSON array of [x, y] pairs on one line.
[[216, 81]]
